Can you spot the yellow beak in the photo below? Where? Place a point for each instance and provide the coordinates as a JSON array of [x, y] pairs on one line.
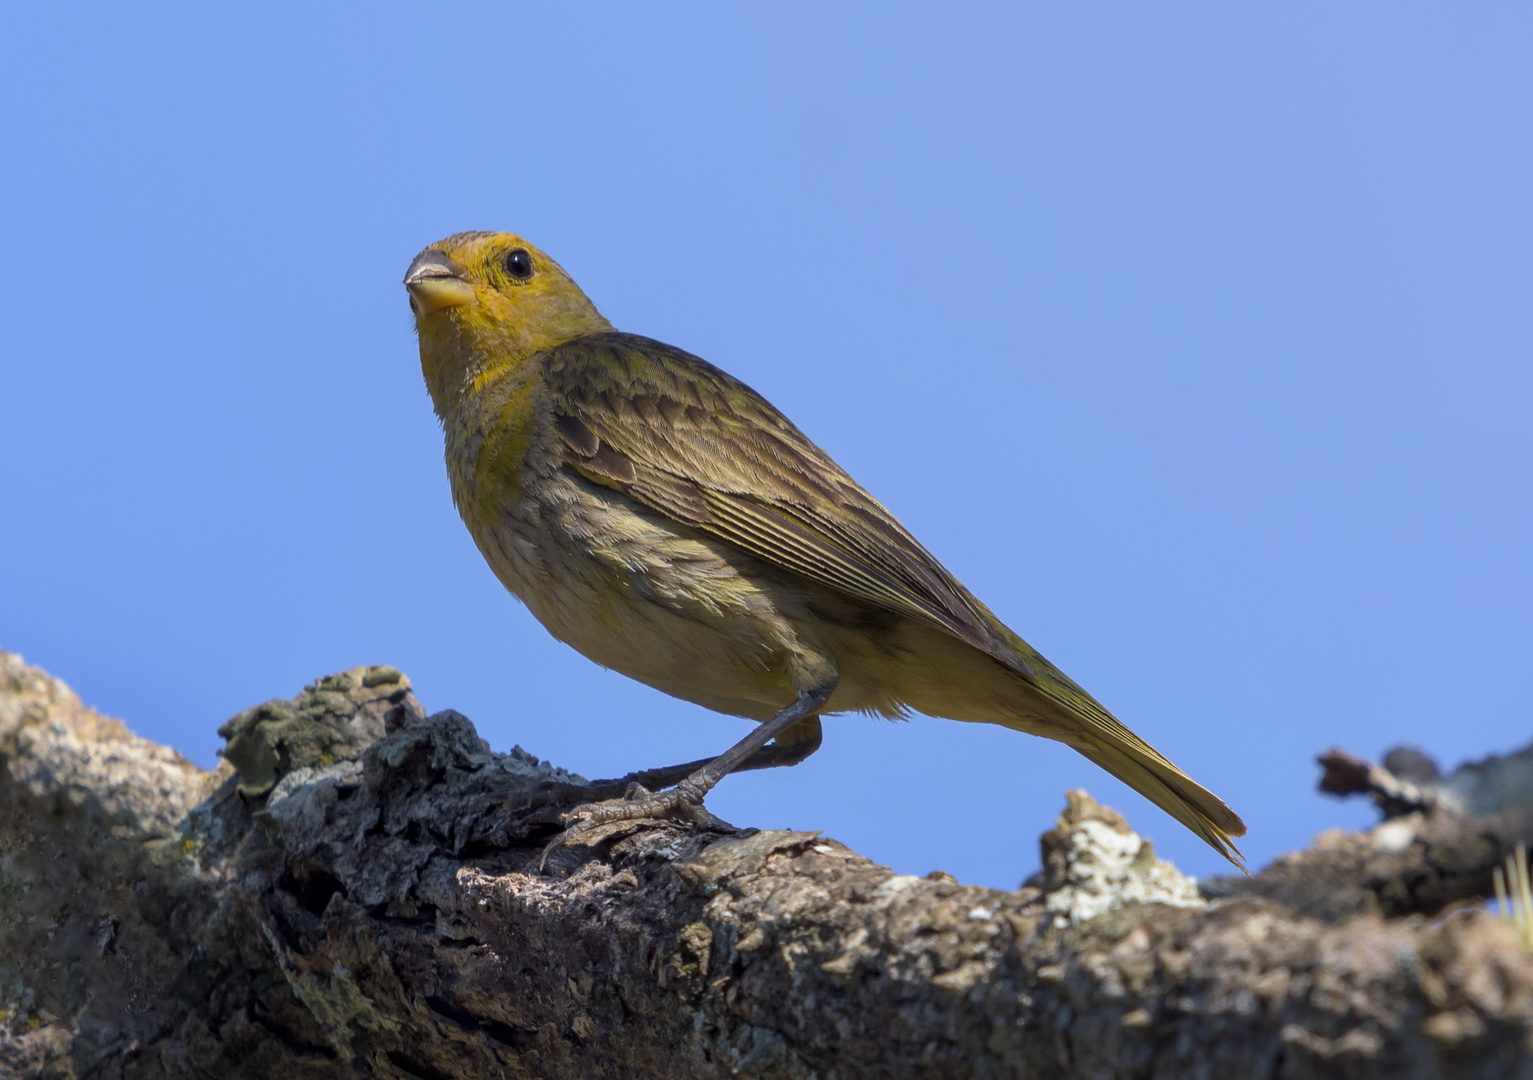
[[435, 282]]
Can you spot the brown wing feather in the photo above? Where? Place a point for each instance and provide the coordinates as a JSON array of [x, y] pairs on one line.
[[683, 437]]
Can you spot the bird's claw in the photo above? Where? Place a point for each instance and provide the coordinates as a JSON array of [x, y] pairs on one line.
[[638, 803], [563, 793]]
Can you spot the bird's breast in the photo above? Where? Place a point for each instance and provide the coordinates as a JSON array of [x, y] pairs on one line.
[[632, 590]]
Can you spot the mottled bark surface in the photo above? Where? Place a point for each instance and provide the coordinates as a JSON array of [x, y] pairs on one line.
[[361, 897], [1417, 863], [1442, 838]]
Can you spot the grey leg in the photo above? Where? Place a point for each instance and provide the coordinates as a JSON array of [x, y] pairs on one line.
[[686, 798], [776, 753]]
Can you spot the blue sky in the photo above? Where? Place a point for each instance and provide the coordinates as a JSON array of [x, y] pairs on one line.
[[1194, 338]]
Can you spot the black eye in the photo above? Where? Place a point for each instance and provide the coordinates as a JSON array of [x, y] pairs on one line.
[[519, 264]]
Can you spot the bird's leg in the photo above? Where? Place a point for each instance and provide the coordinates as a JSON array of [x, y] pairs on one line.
[[686, 798], [790, 747]]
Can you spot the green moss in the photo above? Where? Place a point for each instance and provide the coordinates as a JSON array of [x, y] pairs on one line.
[[382, 675], [272, 739]]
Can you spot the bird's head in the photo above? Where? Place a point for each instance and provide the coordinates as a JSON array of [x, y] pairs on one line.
[[486, 300]]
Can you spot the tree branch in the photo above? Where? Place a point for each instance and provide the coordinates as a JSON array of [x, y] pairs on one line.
[[355, 893], [1441, 839]]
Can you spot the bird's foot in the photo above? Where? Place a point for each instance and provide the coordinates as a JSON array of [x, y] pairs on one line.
[[589, 823], [559, 793]]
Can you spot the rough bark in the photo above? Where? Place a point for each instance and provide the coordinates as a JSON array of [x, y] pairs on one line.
[[356, 893], [1441, 840]]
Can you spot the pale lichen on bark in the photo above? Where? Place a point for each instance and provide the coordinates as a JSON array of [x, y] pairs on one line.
[[361, 897]]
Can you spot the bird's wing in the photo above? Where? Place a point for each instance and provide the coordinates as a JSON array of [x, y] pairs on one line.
[[682, 437]]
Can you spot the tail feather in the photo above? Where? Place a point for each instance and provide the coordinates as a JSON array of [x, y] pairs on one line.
[[1103, 738], [1027, 693], [1174, 792]]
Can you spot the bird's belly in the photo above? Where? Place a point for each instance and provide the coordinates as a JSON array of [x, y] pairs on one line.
[[646, 597], [702, 621]]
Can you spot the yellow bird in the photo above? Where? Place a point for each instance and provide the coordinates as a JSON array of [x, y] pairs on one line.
[[663, 519]]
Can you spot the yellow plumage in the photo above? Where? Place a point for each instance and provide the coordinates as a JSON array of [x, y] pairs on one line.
[[666, 521]]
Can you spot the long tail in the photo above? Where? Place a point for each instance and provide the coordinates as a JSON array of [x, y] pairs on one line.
[[1089, 728], [1015, 687], [1144, 770]]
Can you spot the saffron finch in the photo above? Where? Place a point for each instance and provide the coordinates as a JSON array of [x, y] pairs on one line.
[[663, 519]]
